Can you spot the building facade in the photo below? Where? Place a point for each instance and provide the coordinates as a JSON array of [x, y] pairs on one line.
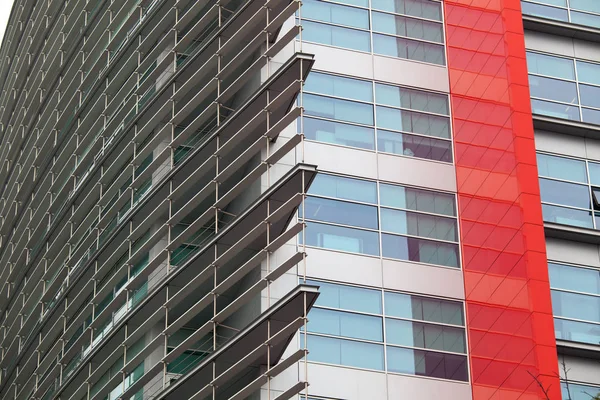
[[318, 199]]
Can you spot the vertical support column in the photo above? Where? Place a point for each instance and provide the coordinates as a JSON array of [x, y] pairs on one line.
[[512, 349]]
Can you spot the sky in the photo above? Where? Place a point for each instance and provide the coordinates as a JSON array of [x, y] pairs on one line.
[[5, 7]]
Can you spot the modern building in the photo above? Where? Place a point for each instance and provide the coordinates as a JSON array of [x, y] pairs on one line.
[[317, 199]]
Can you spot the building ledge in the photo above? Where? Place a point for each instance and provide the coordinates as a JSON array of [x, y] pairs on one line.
[[561, 28], [573, 128], [577, 349], [572, 233]]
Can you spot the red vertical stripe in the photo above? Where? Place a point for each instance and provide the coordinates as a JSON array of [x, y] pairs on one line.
[[509, 313]]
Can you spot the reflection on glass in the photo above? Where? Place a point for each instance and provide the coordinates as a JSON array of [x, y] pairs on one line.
[[539, 10], [425, 336], [417, 199], [416, 8], [424, 308], [408, 27], [348, 297], [338, 133], [567, 216], [414, 146], [555, 110], [344, 239], [409, 121], [575, 331], [586, 280], [427, 363], [408, 49], [579, 392], [350, 325], [344, 188], [553, 89], [343, 110], [336, 36], [414, 99], [414, 224], [339, 86], [337, 14], [576, 306], [565, 193], [562, 168], [341, 212], [344, 352], [543, 64], [419, 250]]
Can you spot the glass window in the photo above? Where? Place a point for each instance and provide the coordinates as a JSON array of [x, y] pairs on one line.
[[408, 121], [403, 222], [586, 5], [573, 278], [419, 250], [539, 10], [576, 306], [588, 72], [406, 98], [575, 331], [340, 238], [360, 3], [563, 193], [590, 95], [591, 116], [423, 308], [562, 168], [345, 352], [344, 188], [416, 8], [342, 110], [409, 27], [567, 216], [427, 363], [409, 49], [338, 133], [553, 89], [555, 110], [574, 391], [426, 336], [334, 13], [348, 297], [417, 199], [350, 325], [341, 212], [336, 36], [414, 146], [339, 86], [550, 65], [594, 169]]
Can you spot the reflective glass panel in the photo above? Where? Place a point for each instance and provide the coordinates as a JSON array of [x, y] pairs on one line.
[[550, 65], [427, 363], [339, 86], [340, 238], [344, 188], [576, 306], [568, 277], [409, 27], [419, 250], [341, 212], [425, 336], [417, 8], [350, 325], [539, 10], [408, 49], [555, 110], [348, 297], [574, 391], [567, 216], [334, 13], [588, 72], [345, 352], [408, 121], [336, 36], [562, 168], [417, 199], [343, 110], [575, 331], [338, 133], [553, 89], [414, 224], [423, 308], [413, 99], [564, 193]]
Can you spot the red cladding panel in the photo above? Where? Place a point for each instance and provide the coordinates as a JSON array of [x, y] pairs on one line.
[[509, 313]]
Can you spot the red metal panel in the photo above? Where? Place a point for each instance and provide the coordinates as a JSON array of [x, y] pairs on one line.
[[509, 312]]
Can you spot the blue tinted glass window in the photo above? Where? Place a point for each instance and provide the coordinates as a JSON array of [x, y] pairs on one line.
[[423, 308], [591, 116], [338, 133], [336, 36], [344, 239], [550, 65], [579, 392], [425, 336], [419, 250], [408, 121], [409, 49], [573, 278], [568, 194], [539, 10], [416, 8], [350, 325], [427, 363], [575, 331], [344, 188], [342, 110], [590, 95], [406, 98], [341, 212], [585, 5], [416, 199], [555, 110], [334, 13], [415, 224], [576, 306], [594, 169], [409, 27], [561, 168], [553, 89], [588, 72], [567, 216], [339, 86], [414, 146], [585, 19], [345, 352], [348, 298]]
